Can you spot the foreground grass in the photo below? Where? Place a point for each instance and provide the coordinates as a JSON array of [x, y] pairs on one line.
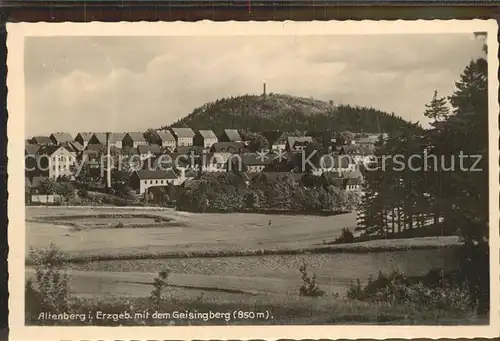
[[114, 298], [275, 310]]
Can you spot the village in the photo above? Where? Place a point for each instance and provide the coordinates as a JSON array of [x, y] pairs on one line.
[[179, 155]]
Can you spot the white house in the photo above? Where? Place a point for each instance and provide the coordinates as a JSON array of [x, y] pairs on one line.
[[167, 140], [60, 137], [205, 138], [133, 140], [116, 140], [56, 161], [183, 136], [143, 179]]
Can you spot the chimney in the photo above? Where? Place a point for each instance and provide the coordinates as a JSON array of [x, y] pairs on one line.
[[264, 90], [108, 161]]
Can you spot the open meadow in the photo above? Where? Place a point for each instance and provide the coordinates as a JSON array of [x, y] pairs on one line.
[[213, 256], [201, 232]]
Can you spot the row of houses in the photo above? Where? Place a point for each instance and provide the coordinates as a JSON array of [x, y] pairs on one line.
[[186, 137], [175, 137], [56, 155]]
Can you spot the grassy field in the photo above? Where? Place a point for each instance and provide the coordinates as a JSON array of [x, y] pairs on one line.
[[206, 235], [129, 260], [203, 232]]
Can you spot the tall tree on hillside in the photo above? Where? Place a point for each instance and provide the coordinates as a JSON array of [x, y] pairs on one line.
[[437, 109]]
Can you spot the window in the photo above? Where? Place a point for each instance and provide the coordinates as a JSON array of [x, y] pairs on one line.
[[156, 181]]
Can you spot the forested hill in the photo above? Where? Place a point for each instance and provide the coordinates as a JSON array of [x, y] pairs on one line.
[[287, 113]]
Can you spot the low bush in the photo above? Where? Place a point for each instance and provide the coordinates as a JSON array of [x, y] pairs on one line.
[[346, 236], [309, 286], [397, 288], [159, 284], [49, 290]]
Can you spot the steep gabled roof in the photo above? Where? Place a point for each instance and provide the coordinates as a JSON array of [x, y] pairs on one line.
[[275, 137], [353, 181], [188, 150], [353, 175], [41, 140], [147, 174], [166, 135], [228, 147], [115, 137], [145, 149], [72, 146], [191, 173], [100, 137], [183, 132], [233, 135], [31, 149], [61, 137], [49, 150], [85, 135], [37, 181], [136, 136], [77, 145], [292, 140], [207, 134]]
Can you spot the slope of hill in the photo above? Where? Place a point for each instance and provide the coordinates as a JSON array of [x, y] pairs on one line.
[[287, 113]]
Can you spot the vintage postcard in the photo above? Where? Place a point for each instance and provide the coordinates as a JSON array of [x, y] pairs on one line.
[[256, 180]]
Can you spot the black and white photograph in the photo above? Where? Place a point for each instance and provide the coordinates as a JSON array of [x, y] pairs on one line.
[[266, 175]]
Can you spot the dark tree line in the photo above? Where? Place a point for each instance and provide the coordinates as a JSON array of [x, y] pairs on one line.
[[232, 192], [445, 194]]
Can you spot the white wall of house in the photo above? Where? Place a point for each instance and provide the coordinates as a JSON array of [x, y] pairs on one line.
[[168, 144], [45, 198], [211, 168], [256, 168], [145, 184], [278, 147], [139, 143], [184, 141], [209, 142], [351, 188], [117, 144], [60, 163]]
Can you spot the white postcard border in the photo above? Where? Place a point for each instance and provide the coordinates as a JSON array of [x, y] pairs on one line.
[[16, 213]]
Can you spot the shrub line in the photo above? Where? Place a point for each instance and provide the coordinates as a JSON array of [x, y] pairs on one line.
[[249, 253]]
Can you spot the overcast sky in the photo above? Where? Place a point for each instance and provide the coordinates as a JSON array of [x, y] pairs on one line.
[[134, 83]]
